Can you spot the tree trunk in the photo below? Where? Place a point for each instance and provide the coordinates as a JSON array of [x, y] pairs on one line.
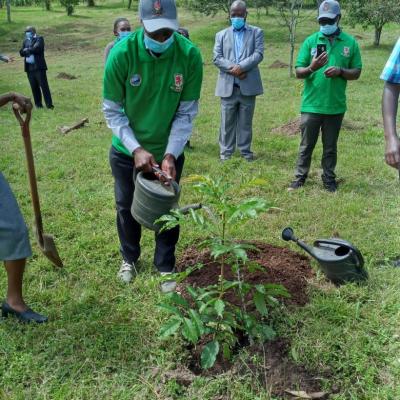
[[8, 5], [378, 32], [91, 3], [129, 4], [47, 4]]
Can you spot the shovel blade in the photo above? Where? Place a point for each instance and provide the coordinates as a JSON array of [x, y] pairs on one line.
[[48, 247]]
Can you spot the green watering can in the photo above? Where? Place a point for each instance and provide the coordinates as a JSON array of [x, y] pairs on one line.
[[153, 199], [339, 260]]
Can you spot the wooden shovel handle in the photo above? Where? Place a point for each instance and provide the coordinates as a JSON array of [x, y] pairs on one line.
[[24, 123]]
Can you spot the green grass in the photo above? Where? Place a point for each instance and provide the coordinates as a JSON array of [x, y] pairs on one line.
[[102, 339]]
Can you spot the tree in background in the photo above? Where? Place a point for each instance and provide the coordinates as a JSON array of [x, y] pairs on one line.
[[208, 7], [69, 5], [289, 16], [374, 13], [8, 6]]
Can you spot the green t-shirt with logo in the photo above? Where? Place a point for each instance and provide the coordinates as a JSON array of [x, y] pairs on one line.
[[151, 88], [323, 95]]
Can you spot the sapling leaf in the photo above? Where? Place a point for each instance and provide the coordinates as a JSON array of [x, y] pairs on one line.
[[189, 331], [209, 354], [195, 317], [176, 298], [171, 309], [170, 327], [259, 301], [219, 307]]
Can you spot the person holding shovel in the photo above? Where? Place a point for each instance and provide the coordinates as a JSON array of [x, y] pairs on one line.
[[152, 84], [14, 239]]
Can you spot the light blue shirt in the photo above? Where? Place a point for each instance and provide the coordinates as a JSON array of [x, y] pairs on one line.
[[238, 36], [391, 72]]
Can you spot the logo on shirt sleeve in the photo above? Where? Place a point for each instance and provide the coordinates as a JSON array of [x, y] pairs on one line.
[[136, 80], [178, 83]]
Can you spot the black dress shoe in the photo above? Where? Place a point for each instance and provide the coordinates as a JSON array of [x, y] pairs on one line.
[[24, 316]]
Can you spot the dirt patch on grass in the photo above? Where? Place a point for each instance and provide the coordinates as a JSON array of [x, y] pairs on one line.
[[277, 265], [64, 75], [278, 64], [292, 128]]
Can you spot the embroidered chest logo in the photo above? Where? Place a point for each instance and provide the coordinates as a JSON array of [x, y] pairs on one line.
[[178, 83], [346, 51], [136, 80], [157, 8]]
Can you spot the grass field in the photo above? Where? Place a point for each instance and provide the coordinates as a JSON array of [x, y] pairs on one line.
[[102, 340]]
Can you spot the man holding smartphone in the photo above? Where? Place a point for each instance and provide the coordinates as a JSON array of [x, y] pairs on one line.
[[326, 61]]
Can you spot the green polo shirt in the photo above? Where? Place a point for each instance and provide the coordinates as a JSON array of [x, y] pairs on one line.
[[323, 95], [151, 88]]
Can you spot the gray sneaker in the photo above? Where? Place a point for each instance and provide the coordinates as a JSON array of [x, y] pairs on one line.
[[167, 285], [126, 272]]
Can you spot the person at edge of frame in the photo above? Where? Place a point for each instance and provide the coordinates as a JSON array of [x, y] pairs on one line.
[[390, 101], [152, 84], [326, 61], [14, 239]]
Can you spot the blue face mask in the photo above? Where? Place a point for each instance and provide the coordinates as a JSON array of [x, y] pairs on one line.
[[123, 34], [237, 22], [29, 35], [158, 47], [328, 29]]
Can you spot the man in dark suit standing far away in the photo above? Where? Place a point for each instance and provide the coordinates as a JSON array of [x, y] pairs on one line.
[[35, 67]]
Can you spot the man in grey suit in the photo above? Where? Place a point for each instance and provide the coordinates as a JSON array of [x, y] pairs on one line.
[[237, 52]]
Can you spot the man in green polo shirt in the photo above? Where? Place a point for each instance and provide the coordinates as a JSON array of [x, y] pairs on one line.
[[326, 61], [152, 83]]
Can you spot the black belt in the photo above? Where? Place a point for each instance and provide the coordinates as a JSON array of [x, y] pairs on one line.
[[236, 85]]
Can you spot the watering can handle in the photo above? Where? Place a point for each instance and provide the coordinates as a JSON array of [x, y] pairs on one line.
[[345, 243]]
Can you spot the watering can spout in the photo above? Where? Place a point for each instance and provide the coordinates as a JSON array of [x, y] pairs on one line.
[[288, 234], [186, 209]]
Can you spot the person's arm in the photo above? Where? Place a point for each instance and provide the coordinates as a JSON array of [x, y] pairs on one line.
[[24, 50], [22, 101], [38, 46], [219, 60], [390, 99], [315, 65], [252, 61]]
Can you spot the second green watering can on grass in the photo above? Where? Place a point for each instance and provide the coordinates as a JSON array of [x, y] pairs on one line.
[[153, 199], [339, 260]]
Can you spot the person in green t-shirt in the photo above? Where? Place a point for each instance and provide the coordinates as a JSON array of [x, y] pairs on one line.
[[152, 84], [326, 61]]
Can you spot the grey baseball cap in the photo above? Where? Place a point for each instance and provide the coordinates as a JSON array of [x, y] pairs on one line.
[[329, 9], [158, 14]]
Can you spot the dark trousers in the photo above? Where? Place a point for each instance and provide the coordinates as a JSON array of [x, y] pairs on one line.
[[330, 126], [129, 230], [39, 85]]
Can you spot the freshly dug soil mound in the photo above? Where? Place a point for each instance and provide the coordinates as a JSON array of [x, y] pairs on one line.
[[279, 265], [64, 75], [292, 128], [278, 64]]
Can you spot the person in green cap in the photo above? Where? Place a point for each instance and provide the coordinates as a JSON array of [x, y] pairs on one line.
[[326, 61], [152, 84]]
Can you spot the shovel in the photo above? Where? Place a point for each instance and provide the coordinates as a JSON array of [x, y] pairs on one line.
[[45, 242]]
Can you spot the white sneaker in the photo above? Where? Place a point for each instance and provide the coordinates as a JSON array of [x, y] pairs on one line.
[[167, 285], [126, 272]]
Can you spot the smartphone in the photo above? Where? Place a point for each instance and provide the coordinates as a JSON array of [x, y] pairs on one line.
[[320, 49]]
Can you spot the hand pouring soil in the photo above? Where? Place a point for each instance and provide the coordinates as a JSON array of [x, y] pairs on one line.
[[339, 260], [153, 199]]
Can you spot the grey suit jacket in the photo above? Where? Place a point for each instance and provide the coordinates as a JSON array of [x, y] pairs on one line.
[[252, 54]]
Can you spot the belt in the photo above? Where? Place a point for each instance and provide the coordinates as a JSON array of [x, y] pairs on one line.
[[236, 85]]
